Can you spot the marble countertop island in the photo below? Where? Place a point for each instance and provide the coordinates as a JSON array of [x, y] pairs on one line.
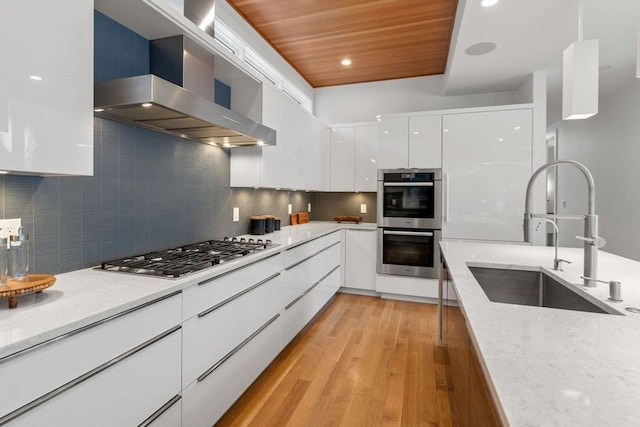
[[552, 367]]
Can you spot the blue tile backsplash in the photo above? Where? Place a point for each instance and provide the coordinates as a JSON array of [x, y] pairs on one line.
[[149, 190]]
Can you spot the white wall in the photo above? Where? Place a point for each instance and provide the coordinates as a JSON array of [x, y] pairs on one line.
[[361, 102], [608, 144]]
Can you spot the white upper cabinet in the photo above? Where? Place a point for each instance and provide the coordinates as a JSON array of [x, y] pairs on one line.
[[324, 160], [291, 139], [393, 143], [342, 158], [46, 87], [366, 153], [272, 170], [425, 141], [486, 167]]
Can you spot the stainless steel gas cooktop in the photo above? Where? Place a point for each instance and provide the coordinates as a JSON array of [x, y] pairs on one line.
[[182, 260]]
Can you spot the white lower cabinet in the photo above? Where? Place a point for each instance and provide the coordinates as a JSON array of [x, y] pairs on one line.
[[51, 365], [360, 268], [215, 332], [208, 398], [124, 394]]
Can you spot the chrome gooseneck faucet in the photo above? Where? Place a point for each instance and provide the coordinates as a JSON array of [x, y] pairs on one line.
[[557, 266], [591, 239]]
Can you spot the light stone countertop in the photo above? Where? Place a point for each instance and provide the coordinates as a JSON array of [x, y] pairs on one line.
[[551, 367], [82, 297]]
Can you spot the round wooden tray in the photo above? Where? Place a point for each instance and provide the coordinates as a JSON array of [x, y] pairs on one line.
[[33, 283]]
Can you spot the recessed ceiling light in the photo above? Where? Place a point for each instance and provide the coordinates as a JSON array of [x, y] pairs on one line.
[[4, 172], [346, 62], [147, 104], [98, 110], [37, 78], [487, 3], [517, 127], [481, 48], [260, 142]]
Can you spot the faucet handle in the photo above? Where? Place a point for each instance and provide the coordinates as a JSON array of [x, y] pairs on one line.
[[596, 241], [557, 264]]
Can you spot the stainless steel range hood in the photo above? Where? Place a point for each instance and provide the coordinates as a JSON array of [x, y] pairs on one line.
[[169, 106]]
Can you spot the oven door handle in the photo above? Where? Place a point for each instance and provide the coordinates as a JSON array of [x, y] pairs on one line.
[[408, 184], [408, 233]]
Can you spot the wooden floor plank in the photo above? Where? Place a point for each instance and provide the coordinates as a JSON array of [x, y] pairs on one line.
[[365, 361]]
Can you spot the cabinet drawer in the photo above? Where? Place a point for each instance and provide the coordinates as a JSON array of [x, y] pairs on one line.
[[206, 400], [42, 368], [213, 291], [123, 394], [298, 253], [325, 261], [209, 336]]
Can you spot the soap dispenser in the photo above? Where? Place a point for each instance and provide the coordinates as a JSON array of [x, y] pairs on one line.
[[19, 256]]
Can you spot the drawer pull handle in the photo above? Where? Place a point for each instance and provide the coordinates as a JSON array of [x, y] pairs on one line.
[[311, 256], [238, 295], [299, 297], [160, 411], [237, 348], [211, 279]]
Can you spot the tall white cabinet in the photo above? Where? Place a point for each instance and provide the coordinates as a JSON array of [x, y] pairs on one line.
[[46, 87], [342, 158], [486, 166]]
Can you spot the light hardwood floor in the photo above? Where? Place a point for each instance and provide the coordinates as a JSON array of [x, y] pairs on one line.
[[365, 361]]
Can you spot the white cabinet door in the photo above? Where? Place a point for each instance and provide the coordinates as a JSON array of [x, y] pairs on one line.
[[245, 166], [325, 160], [46, 367], [425, 141], [291, 138], [342, 159], [124, 394], [206, 400], [486, 167], [46, 86], [360, 250], [309, 146], [393, 143], [273, 157], [366, 154]]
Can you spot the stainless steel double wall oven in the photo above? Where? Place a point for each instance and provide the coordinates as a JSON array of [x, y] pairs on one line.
[[409, 221]]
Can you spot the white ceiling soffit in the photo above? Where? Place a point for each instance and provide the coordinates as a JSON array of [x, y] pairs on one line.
[[531, 35]]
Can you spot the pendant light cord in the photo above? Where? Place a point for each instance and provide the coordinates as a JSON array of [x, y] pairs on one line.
[[580, 18]]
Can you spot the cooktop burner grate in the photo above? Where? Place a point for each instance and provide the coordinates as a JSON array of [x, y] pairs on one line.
[[182, 260]]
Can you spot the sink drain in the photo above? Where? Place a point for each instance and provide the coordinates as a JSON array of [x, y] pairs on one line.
[[633, 310]]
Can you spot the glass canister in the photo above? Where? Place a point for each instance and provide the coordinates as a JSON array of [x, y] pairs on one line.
[[4, 261], [19, 256]]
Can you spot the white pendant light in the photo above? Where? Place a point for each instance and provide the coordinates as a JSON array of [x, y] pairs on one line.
[[580, 63]]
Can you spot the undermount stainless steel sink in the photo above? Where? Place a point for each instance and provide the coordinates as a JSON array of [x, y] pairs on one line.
[[533, 288]]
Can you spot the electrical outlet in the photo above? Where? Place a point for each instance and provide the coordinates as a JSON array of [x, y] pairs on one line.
[[363, 208], [308, 207], [9, 227], [236, 214], [289, 209]]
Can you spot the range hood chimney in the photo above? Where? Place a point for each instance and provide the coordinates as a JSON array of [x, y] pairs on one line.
[[177, 97]]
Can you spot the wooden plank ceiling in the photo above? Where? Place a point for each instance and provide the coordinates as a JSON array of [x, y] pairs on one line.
[[384, 39]]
